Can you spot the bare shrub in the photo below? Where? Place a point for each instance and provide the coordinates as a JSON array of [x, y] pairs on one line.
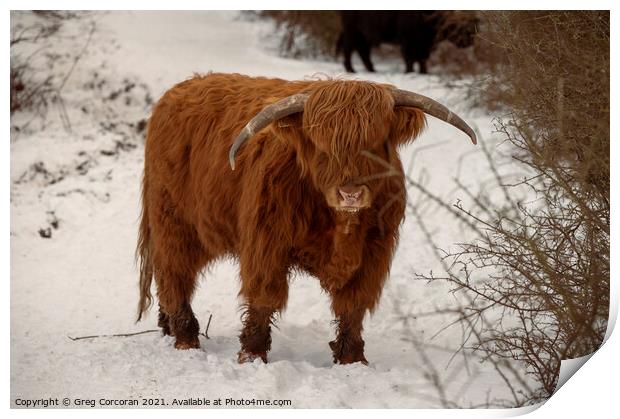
[[446, 54], [306, 33], [35, 80], [28, 89], [534, 284]]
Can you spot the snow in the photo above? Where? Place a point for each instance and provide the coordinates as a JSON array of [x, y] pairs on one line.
[[83, 281]]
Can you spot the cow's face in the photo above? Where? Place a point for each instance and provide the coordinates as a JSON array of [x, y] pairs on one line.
[[345, 135], [351, 132], [350, 182]]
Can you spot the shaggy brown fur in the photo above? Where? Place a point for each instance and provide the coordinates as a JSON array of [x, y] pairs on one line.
[[271, 212]]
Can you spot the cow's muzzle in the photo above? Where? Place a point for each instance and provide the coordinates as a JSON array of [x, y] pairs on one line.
[[349, 198]]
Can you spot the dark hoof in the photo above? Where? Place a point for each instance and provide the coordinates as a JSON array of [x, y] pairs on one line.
[[342, 358], [164, 322], [185, 327], [193, 344], [165, 330], [244, 357]]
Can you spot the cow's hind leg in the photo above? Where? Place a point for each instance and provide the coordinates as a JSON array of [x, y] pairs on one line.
[[175, 287], [408, 53], [363, 48], [178, 257], [423, 69], [163, 321], [348, 48]]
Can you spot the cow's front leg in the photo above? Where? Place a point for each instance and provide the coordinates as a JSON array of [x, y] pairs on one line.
[[340, 277], [265, 294], [348, 347], [346, 254], [358, 296], [255, 337]]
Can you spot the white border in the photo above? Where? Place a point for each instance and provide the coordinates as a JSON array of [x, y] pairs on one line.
[[591, 392]]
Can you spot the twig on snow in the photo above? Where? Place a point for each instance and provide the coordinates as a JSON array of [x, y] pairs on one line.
[[206, 333], [113, 336], [124, 335]]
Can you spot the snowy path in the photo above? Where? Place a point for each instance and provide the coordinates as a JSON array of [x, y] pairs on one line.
[[83, 281]]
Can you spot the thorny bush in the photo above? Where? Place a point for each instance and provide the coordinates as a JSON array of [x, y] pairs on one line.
[[534, 283]]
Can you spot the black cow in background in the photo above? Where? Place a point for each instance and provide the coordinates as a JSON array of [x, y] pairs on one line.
[[417, 32]]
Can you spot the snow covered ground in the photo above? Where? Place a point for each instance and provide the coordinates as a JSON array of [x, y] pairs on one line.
[[81, 186]]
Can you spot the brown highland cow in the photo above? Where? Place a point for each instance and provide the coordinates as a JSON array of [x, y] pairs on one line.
[[283, 176]]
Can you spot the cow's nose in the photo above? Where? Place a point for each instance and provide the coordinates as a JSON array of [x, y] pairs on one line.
[[352, 196]]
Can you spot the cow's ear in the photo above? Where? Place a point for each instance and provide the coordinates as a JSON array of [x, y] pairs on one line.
[[407, 124], [289, 131]]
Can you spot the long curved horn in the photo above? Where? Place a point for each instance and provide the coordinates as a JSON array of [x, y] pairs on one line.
[[433, 108], [285, 107]]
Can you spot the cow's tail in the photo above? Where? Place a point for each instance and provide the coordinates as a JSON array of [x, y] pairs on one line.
[[144, 256]]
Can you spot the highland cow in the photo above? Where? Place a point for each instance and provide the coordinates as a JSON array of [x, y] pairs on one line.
[[416, 31], [282, 176]]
